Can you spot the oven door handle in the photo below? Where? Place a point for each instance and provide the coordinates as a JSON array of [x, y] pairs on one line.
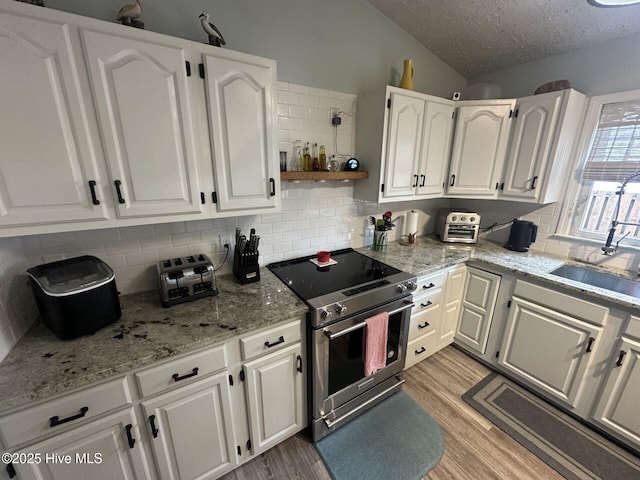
[[334, 335]]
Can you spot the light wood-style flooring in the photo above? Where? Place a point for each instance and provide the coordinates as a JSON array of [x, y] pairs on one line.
[[474, 447]]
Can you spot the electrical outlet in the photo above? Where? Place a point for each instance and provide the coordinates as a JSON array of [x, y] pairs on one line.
[[334, 111]]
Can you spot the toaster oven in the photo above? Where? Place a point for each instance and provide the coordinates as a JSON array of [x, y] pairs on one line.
[[458, 226], [185, 279]]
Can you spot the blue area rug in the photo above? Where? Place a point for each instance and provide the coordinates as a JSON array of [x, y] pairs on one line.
[[396, 439]]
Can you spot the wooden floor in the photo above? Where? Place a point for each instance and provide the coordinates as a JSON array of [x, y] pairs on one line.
[[474, 447]]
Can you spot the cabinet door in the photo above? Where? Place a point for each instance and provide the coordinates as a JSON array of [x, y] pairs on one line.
[[274, 386], [479, 150], [192, 431], [530, 145], [436, 149], [617, 409], [404, 138], [548, 349], [142, 96], [478, 303], [453, 293], [106, 449], [242, 123], [50, 148]]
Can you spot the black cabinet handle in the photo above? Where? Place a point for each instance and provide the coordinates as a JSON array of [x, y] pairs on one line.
[[428, 304], [55, 420], [423, 325], [453, 180], [534, 180], [424, 179], [422, 350], [299, 363], [130, 439], [502, 186], [152, 424], [202, 198], [497, 185], [201, 70], [277, 342], [92, 188], [273, 187], [590, 344], [427, 287], [11, 471], [620, 357], [176, 377], [415, 181], [117, 183], [188, 66]]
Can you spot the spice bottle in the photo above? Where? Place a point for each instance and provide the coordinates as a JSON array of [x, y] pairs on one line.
[[306, 158], [316, 163], [322, 158]]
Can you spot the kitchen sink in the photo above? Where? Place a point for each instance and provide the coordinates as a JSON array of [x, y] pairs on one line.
[[599, 279]]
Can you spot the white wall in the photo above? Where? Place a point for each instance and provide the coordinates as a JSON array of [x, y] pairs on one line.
[[347, 46]]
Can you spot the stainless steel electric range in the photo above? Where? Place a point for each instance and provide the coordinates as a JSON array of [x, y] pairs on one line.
[[341, 297]]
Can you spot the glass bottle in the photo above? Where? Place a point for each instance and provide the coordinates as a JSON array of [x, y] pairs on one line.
[[296, 161], [306, 158], [315, 165], [322, 158]]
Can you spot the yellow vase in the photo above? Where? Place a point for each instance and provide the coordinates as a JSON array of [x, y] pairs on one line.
[[407, 75]]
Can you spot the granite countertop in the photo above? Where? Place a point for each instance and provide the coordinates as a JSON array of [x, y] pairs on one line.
[[41, 365]]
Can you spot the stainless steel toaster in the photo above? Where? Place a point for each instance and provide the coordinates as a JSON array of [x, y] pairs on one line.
[[185, 279], [457, 226]]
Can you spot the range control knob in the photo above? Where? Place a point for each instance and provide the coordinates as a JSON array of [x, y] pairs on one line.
[[340, 309], [401, 288], [411, 285], [325, 314], [472, 219]]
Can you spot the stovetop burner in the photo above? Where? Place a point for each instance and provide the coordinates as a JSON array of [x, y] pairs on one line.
[[354, 283]]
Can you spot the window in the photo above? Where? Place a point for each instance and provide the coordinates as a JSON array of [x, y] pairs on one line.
[[610, 148]]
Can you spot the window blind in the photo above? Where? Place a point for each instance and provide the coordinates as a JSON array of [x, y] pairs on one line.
[[615, 150]]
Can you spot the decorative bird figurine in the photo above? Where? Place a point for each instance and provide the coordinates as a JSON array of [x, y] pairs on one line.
[[215, 37], [130, 13]]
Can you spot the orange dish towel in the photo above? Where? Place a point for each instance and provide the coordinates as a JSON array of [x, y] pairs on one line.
[[376, 343]]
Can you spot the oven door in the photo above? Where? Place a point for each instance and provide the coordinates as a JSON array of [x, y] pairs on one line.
[[339, 356]]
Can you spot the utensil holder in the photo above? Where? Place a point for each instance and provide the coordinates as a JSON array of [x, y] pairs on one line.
[[245, 266]]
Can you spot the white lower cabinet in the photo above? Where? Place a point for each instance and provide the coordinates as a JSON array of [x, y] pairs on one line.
[[107, 449], [550, 339], [192, 430], [453, 294], [275, 401], [617, 409], [476, 309]]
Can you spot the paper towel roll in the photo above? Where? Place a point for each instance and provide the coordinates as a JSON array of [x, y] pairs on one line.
[[412, 222]]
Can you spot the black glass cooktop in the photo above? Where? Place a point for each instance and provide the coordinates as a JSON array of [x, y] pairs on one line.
[[353, 273]]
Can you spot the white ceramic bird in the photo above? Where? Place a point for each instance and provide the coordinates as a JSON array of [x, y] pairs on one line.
[[215, 37], [129, 13]]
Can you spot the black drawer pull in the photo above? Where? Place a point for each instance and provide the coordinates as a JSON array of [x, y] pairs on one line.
[[152, 424], [176, 377], [55, 420], [299, 363], [92, 188], [423, 325], [277, 342], [273, 187], [428, 304], [117, 183], [590, 344], [415, 181], [453, 180], [422, 350], [427, 287], [620, 357], [534, 180], [424, 179], [130, 440]]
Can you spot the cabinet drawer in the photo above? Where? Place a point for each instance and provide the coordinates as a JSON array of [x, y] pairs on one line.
[[59, 414], [430, 282], [421, 348], [181, 371], [426, 301], [270, 340], [425, 321]]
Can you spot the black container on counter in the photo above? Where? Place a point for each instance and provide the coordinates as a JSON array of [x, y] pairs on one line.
[[76, 296]]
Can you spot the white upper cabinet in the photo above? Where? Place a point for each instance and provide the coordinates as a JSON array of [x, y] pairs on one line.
[[49, 147], [242, 122], [142, 96], [544, 129], [404, 144], [479, 148]]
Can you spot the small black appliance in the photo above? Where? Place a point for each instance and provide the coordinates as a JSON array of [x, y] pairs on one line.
[[523, 234]]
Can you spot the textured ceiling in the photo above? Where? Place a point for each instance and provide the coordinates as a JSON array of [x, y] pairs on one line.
[[481, 36]]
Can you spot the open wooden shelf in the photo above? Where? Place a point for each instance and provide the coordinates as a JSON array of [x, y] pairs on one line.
[[323, 175]]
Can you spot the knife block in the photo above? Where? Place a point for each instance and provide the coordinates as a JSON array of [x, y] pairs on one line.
[[245, 266]]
